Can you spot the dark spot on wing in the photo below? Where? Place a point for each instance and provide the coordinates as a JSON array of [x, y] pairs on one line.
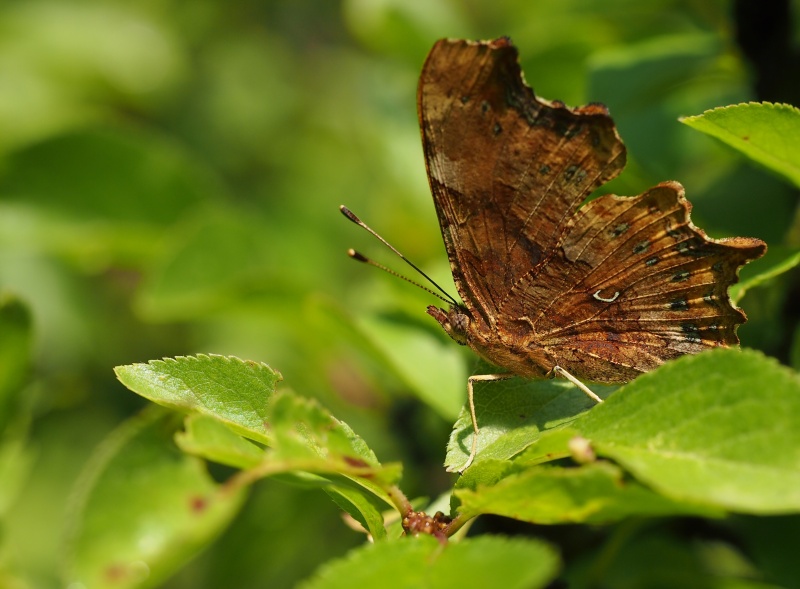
[[680, 276], [679, 305], [620, 229]]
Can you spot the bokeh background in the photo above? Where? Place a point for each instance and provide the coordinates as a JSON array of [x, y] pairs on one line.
[[170, 174]]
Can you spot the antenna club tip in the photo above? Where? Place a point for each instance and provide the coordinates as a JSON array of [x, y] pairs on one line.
[[356, 256], [349, 214]]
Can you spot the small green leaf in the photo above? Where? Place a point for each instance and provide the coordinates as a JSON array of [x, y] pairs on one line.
[[305, 432], [15, 363], [210, 439], [208, 261], [430, 366], [227, 396], [766, 133], [413, 563], [594, 493], [302, 428], [778, 260], [362, 507], [16, 462], [143, 508], [234, 391], [161, 182], [314, 449], [721, 428], [15, 353], [512, 414]]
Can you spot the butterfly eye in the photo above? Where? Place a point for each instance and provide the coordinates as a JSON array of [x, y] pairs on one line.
[[455, 322], [459, 324]]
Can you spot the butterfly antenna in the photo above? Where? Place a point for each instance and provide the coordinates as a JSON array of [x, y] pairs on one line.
[[362, 258]]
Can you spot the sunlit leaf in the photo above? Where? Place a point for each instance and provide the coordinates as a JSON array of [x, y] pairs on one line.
[[512, 414], [764, 132], [594, 493], [720, 428], [234, 391], [423, 562]]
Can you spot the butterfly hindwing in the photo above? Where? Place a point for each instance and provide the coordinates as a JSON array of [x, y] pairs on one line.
[[634, 284]]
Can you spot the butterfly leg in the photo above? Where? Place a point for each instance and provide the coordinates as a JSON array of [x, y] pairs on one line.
[[471, 399], [586, 390]]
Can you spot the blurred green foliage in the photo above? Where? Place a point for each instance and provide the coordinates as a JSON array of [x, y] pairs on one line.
[[169, 178]]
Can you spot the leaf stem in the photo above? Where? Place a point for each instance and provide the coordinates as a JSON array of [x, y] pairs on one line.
[[458, 522], [399, 499]]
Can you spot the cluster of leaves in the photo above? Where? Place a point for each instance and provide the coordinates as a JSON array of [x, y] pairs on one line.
[[169, 178], [688, 439]]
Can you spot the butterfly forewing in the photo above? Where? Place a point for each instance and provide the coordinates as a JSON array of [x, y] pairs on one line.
[[506, 170]]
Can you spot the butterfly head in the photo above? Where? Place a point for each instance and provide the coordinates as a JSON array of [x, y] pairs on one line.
[[454, 321]]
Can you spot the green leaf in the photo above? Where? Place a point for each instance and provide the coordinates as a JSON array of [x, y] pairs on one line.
[[234, 391], [15, 354], [306, 433], [85, 167], [764, 132], [143, 508], [418, 563], [594, 493], [431, 367], [512, 414], [16, 462], [362, 507], [208, 261], [15, 363], [209, 438], [315, 449], [778, 260], [111, 195], [227, 396], [302, 429], [721, 428], [651, 80]]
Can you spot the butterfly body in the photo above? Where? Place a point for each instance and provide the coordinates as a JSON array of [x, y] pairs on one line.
[[518, 354]]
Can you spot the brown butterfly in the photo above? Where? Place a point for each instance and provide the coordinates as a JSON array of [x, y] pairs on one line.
[[603, 292]]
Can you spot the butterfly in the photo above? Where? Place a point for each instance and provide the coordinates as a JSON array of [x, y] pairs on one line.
[[601, 292]]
